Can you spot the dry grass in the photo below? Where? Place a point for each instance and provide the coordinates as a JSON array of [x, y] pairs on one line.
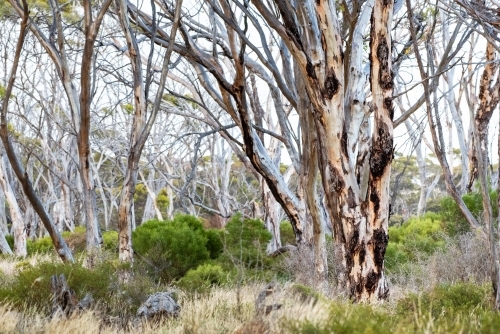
[[464, 259], [10, 264], [224, 310], [232, 309]]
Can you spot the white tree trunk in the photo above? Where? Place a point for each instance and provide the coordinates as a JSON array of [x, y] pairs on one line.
[[18, 228], [149, 184]]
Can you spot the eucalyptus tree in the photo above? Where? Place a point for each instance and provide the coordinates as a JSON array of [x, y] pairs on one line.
[[51, 35], [59, 243], [141, 124], [481, 108], [321, 79]]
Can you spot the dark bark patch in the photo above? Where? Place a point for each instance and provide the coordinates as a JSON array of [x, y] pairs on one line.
[[388, 106], [336, 180], [375, 199], [343, 141], [385, 77], [351, 248], [310, 69], [387, 2], [331, 85], [323, 42], [381, 152], [359, 285], [371, 281], [362, 255], [380, 239], [351, 201]]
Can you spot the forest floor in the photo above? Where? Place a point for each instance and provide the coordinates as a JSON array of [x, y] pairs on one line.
[[439, 283], [450, 308]]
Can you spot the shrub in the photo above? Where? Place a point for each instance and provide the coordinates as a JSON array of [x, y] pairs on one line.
[[417, 236], [202, 278], [453, 219], [245, 242], [214, 242], [446, 299], [110, 241], [286, 233], [10, 240], [41, 245], [31, 286], [172, 247], [76, 241], [348, 318]]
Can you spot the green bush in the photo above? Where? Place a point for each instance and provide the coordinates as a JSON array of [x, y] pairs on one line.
[[461, 308], [41, 245], [347, 318], [110, 241], [172, 247], [245, 242], [453, 219], [462, 298], [10, 241], [416, 236], [286, 233], [31, 286], [214, 242], [202, 278], [76, 241]]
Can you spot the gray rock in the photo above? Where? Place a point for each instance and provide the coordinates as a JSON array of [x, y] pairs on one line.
[[159, 305]]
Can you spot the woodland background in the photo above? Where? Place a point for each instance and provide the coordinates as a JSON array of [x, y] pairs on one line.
[[212, 147]]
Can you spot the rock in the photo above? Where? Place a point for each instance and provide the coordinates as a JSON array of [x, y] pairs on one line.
[[159, 305]]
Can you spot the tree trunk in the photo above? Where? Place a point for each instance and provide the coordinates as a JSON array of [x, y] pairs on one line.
[[18, 227], [140, 128], [59, 243], [422, 172], [151, 204]]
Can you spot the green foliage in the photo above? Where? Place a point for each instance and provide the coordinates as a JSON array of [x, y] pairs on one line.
[[461, 308], [76, 241], [41, 245], [171, 99], [127, 108], [347, 318], [286, 233], [172, 247], [214, 242], [31, 286], [5, 11], [245, 242], [110, 241], [202, 278], [140, 197], [456, 299], [10, 240], [190, 97], [162, 200], [416, 236], [453, 219]]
